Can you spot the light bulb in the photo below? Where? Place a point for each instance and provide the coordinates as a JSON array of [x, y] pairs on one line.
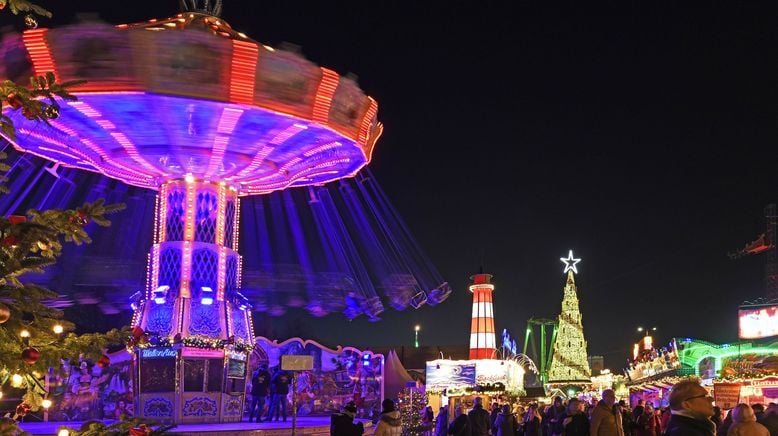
[[64, 432], [16, 380], [58, 329], [46, 403], [24, 333]]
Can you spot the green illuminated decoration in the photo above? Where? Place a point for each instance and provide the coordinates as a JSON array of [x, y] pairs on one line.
[[744, 359]]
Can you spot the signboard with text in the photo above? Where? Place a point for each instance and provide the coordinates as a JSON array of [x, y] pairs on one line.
[[727, 395]]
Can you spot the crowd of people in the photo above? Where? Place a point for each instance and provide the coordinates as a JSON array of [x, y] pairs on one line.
[[690, 413]]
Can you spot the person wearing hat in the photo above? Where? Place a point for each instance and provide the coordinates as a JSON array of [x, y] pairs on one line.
[[390, 423], [342, 424]]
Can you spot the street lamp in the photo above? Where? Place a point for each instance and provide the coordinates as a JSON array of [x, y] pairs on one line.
[[416, 335], [646, 329]]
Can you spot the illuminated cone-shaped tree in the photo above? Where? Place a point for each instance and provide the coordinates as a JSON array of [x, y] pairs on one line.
[[570, 361], [411, 405]]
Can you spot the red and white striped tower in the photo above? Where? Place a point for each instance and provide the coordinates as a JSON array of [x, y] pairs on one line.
[[482, 337]]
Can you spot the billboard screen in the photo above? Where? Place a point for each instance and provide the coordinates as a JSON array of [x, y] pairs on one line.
[[758, 322]]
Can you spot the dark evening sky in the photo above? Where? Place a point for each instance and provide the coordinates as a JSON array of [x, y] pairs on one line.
[[641, 134]]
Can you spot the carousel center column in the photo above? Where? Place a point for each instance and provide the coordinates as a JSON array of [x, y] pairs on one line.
[[192, 328]]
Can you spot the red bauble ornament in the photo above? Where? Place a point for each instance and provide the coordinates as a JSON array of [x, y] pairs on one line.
[[140, 431], [22, 409], [30, 355], [137, 332], [16, 219], [14, 100], [103, 361], [10, 241], [5, 313]]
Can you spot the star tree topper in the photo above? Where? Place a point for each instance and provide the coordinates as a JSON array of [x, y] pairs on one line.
[[570, 263]]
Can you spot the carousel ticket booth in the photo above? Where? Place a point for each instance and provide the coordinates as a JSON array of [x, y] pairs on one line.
[[190, 385]]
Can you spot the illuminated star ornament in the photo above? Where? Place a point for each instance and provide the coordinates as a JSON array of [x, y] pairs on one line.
[[570, 263]]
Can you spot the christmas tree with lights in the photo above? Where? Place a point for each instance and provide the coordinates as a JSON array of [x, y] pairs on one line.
[[411, 411], [570, 362], [33, 335]]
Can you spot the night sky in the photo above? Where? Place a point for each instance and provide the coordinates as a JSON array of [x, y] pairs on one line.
[[642, 135]]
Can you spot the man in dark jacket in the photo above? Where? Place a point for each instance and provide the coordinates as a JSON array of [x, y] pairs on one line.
[[480, 422], [770, 419], [460, 426], [554, 417], [342, 424], [691, 409], [260, 381], [280, 382]]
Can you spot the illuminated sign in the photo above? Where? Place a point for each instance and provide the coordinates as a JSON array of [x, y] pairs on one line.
[[443, 374], [158, 353], [448, 374], [570, 263], [758, 322]]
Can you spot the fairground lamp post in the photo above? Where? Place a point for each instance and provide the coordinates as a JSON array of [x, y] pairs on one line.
[[204, 115]]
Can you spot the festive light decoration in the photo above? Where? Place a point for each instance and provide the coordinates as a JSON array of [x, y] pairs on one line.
[[17, 380], [570, 263], [482, 335], [410, 404], [58, 329], [569, 362]]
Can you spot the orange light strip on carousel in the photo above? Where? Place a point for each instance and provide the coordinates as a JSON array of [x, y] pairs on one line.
[[40, 54], [221, 217], [186, 261], [222, 274], [227, 121], [324, 94], [363, 138], [244, 71], [162, 232]]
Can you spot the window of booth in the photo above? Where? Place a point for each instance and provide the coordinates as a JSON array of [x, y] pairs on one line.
[[194, 375], [236, 376], [203, 375], [215, 375], [157, 375]]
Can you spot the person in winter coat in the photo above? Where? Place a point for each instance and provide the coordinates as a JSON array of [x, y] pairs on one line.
[[770, 419], [342, 424], [722, 429], [390, 423], [553, 418], [692, 408], [606, 417], [505, 424], [480, 423], [647, 423], [461, 424], [744, 423], [441, 422], [575, 422], [532, 422]]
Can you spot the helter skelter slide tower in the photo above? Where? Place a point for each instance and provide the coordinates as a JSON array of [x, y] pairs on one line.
[[204, 115]]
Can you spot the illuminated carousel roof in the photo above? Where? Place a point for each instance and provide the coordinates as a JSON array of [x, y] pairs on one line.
[[190, 96]]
